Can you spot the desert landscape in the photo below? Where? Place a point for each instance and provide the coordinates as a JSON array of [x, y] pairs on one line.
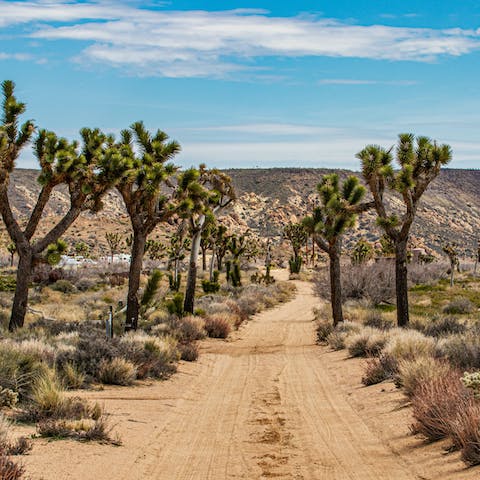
[[239, 241]]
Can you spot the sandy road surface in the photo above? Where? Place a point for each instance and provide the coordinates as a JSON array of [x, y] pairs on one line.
[[260, 406]]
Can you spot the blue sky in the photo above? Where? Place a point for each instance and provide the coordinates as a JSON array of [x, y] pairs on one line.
[[252, 83]]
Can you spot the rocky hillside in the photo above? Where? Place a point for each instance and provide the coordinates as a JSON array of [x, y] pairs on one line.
[[270, 198]]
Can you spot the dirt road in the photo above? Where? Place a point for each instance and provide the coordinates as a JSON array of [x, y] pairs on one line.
[[260, 406]]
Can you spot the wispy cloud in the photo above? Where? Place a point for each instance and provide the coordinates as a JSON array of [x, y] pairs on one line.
[[15, 56], [151, 41], [353, 81]]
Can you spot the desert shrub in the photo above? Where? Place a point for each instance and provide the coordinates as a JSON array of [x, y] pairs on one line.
[[189, 329], [8, 398], [426, 274], [117, 371], [472, 381], [19, 369], [217, 326], [412, 373], [153, 356], [440, 327], [374, 282], [336, 339], [92, 349], [83, 429], [174, 305], [375, 319], [63, 286], [189, 351], [367, 342], [459, 306], [462, 351], [466, 433], [378, 369], [436, 404], [10, 470], [324, 329], [84, 284], [7, 283], [409, 344], [47, 396]]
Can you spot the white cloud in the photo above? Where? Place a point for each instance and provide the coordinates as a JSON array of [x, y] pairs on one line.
[[15, 56], [352, 81], [215, 44]]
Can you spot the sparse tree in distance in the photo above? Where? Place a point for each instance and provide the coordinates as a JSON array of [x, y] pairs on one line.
[[12, 250], [362, 252], [114, 240], [336, 212], [297, 235], [60, 164], [419, 161]]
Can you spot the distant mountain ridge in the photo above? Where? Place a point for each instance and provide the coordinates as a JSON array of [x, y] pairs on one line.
[[269, 198]]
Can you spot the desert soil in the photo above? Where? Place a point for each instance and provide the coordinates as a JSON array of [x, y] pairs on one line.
[[268, 403]]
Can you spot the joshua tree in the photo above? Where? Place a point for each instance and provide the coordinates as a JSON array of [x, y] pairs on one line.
[[297, 236], [82, 249], [176, 253], [207, 240], [337, 212], [144, 173], [220, 245], [419, 160], [238, 245], [60, 164], [12, 250], [205, 192], [451, 251], [114, 240], [362, 252]]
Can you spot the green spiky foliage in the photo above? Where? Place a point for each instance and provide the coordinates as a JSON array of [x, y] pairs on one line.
[[339, 205], [155, 249], [419, 161], [82, 249], [387, 245], [142, 164], [213, 285], [362, 252], [297, 235], [61, 162], [54, 252], [204, 193], [151, 289]]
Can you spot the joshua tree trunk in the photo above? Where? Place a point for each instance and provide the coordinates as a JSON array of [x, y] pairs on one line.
[[401, 282], [212, 262], [335, 285], [136, 262], [20, 300], [204, 259], [192, 267]]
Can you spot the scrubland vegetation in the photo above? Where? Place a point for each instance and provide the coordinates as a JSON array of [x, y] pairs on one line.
[[436, 361], [414, 320]]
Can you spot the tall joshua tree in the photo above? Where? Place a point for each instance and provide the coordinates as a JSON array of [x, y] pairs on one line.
[[419, 161], [61, 163], [141, 162], [337, 212], [205, 193]]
